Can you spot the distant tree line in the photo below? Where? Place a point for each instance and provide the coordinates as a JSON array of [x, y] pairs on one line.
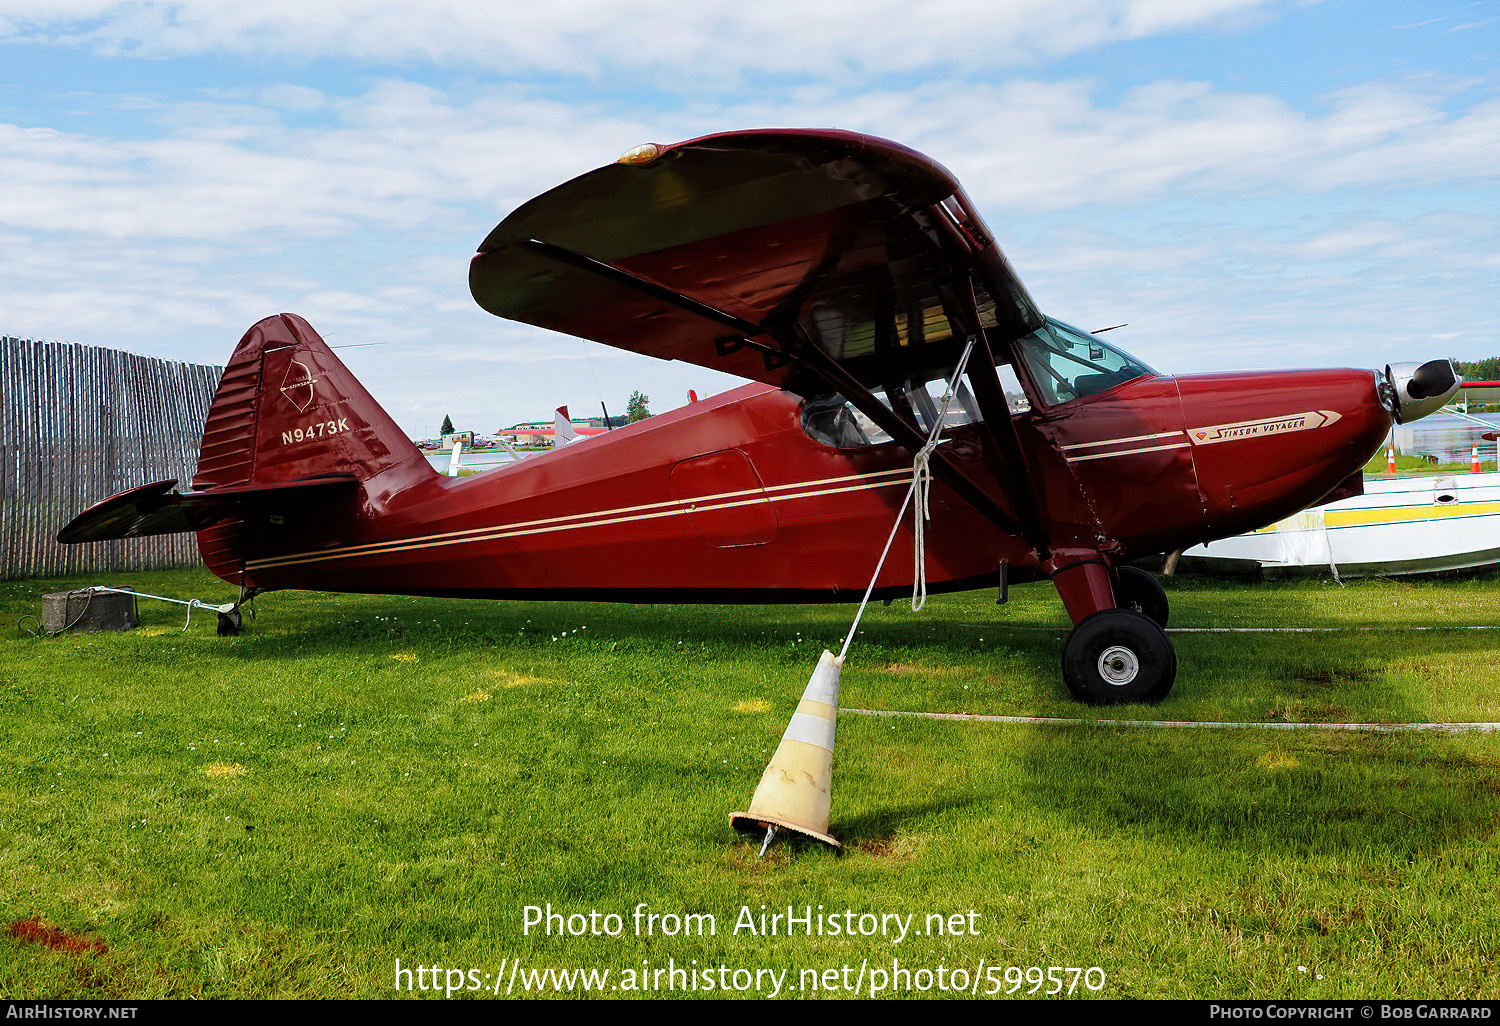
[[1487, 369]]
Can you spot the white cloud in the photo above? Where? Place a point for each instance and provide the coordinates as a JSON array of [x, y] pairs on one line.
[[1354, 229], [1340, 289], [1032, 146], [405, 157], [591, 37], [394, 158]]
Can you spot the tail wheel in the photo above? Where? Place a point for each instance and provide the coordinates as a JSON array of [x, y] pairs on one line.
[[1138, 590], [1119, 656]]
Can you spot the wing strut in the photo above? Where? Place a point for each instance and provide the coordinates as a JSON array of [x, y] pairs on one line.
[[1001, 447], [643, 285], [793, 347], [908, 437]]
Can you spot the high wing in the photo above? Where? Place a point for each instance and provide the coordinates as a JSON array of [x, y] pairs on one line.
[[760, 254]]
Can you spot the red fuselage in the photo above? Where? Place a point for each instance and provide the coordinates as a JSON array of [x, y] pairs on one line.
[[732, 499]]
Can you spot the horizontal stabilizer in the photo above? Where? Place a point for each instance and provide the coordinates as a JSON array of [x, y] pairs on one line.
[[158, 508], [150, 509]]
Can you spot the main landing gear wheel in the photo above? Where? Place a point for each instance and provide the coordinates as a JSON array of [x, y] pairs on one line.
[[1117, 656], [1138, 590]]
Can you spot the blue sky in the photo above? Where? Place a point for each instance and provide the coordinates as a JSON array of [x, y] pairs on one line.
[[1247, 183]]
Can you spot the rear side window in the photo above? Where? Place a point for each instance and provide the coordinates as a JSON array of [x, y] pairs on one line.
[[833, 420]]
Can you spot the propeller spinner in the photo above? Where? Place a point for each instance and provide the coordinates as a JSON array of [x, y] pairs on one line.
[[1411, 391]]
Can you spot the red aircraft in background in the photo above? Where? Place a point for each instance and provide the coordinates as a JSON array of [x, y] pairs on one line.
[[562, 431], [845, 276]]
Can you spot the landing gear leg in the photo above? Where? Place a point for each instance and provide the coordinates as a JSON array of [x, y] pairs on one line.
[[1115, 654]]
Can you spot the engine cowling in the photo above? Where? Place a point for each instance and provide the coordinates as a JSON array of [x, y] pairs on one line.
[[1411, 391]]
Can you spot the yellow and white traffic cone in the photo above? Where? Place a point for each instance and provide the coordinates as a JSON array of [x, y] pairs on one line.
[[794, 791]]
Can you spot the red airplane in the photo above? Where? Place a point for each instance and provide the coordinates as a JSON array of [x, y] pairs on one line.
[[846, 276]]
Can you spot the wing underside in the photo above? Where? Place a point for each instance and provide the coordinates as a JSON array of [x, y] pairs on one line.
[[732, 250]]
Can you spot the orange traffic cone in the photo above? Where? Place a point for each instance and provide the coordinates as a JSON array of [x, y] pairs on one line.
[[1474, 460], [794, 792], [1390, 459]]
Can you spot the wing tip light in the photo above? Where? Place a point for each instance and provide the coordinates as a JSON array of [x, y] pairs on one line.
[[645, 153]]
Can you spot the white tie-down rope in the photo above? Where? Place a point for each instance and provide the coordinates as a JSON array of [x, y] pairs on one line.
[[921, 487], [192, 604], [921, 483]]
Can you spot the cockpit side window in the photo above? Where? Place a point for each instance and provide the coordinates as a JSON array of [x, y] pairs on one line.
[[1068, 364], [833, 420], [1064, 363]]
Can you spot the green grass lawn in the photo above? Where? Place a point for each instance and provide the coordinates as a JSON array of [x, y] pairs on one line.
[[361, 782]]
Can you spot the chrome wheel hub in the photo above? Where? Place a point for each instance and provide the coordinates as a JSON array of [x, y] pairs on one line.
[[1118, 665]]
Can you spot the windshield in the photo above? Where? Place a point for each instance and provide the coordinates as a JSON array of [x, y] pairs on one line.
[[1068, 364], [1065, 363]]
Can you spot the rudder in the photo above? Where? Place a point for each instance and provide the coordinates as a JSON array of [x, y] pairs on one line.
[[287, 409]]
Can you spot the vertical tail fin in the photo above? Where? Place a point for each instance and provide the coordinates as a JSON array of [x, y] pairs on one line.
[[288, 410], [562, 428]]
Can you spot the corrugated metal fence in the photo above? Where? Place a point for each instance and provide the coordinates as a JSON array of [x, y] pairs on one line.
[[78, 424]]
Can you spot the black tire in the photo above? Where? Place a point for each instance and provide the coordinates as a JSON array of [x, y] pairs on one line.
[[230, 624], [1136, 589], [1118, 656]]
